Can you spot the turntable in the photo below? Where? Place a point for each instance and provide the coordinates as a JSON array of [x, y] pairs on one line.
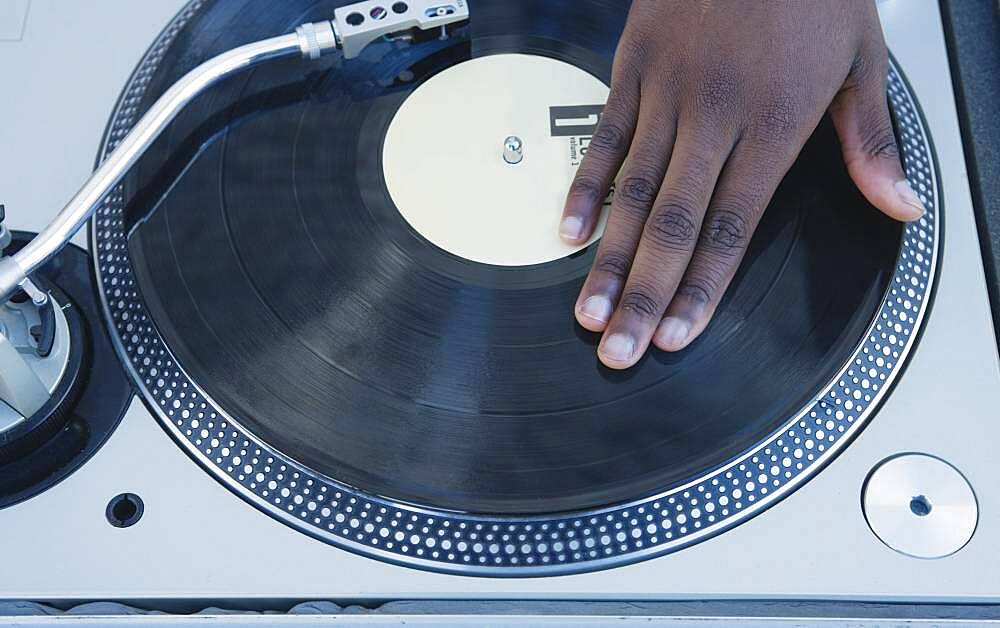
[[317, 342]]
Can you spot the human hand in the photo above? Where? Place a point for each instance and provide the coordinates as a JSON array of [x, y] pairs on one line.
[[710, 104]]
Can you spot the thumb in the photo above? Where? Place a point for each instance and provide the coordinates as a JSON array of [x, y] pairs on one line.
[[860, 113]]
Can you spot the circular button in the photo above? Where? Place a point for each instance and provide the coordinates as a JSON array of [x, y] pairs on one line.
[[920, 505]]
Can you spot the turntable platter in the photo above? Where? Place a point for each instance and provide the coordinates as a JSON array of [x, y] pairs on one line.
[[303, 306]]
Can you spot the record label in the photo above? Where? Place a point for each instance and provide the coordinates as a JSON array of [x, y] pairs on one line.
[[444, 164]]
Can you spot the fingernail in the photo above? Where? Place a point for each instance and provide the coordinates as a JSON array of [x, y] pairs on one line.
[[597, 308], [909, 196], [571, 228], [618, 347], [673, 333]]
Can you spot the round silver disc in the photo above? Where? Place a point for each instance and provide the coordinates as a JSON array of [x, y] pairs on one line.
[[920, 506]]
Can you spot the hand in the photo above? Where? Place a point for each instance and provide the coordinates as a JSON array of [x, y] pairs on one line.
[[710, 104]]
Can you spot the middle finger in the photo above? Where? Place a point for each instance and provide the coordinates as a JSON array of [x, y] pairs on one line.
[[635, 191], [668, 239]]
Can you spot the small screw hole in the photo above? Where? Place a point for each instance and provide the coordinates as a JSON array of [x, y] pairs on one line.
[[920, 506], [355, 19], [378, 13], [124, 510], [400, 7]]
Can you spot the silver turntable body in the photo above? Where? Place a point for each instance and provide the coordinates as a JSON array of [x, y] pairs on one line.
[[844, 535]]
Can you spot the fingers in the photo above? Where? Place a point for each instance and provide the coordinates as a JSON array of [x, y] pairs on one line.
[[861, 114], [605, 154], [637, 188], [742, 193], [668, 237]]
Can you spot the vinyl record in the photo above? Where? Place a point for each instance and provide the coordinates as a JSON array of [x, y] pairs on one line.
[[287, 283]]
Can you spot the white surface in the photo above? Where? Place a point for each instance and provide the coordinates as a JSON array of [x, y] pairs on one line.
[[12, 17], [198, 540], [444, 167], [60, 84]]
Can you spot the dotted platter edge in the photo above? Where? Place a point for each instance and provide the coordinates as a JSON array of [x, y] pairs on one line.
[[530, 546]]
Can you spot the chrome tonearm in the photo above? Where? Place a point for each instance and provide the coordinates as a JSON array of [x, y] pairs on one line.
[[352, 28]]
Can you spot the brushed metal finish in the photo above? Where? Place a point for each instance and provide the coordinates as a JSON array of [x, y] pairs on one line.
[[513, 150], [920, 506], [22, 364]]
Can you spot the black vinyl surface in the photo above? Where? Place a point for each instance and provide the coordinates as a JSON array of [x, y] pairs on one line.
[[286, 283]]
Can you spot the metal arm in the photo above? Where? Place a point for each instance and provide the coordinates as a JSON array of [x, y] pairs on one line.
[[355, 26]]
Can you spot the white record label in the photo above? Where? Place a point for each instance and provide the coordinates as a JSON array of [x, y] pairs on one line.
[[444, 164]]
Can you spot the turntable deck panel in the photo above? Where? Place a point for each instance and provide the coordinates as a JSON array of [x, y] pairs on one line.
[[61, 102], [202, 541], [13, 14]]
